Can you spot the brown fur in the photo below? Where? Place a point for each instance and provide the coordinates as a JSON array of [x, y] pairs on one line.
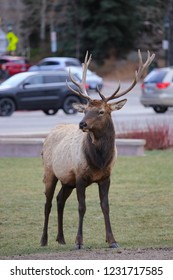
[[79, 157]]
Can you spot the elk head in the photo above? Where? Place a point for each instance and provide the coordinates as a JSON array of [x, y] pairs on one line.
[[97, 112]]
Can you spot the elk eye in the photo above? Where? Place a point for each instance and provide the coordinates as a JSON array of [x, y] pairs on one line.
[[101, 112]]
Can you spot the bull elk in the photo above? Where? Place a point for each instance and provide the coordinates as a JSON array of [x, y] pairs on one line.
[[81, 155]]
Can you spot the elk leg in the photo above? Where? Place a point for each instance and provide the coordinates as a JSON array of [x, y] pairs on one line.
[[104, 202], [80, 189], [62, 196], [50, 184]]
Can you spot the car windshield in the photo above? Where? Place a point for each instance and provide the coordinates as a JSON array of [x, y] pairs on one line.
[[72, 63], [14, 80], [156, 76]]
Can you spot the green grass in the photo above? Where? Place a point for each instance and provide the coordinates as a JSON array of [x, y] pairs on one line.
[[141, 206]]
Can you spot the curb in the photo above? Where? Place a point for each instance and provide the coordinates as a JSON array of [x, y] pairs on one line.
[[30, 145]]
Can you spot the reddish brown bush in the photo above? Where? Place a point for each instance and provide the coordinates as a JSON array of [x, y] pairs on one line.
[[157, 136]]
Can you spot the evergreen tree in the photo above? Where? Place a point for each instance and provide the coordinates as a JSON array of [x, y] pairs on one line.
[[103, 27], [98, 26], [31, 20]]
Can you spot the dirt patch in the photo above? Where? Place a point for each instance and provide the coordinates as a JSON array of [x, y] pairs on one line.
[[102, 254]]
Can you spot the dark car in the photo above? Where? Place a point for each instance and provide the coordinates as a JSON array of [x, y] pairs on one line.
[[46, 91], [11, 65]]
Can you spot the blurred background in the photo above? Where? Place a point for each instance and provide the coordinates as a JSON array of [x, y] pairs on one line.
[[112, 30]]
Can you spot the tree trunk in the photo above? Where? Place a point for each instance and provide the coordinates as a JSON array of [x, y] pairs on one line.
[[43, 20]]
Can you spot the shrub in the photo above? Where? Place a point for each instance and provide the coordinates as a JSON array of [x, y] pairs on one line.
[[157, 136]]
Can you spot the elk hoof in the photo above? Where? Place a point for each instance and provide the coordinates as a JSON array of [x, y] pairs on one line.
[[79, 246], [61, 240], [114, 245]]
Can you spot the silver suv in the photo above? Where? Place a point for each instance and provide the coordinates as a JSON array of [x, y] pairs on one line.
[[55, 63], [157, 90]]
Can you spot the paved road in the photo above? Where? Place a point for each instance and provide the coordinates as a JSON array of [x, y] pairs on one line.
[[133, 114]]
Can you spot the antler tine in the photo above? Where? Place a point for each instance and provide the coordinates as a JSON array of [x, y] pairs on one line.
[[76, 84], [143, 67], [138, 75], [84, 74], [106, 99], [101, 95], [81, 86]]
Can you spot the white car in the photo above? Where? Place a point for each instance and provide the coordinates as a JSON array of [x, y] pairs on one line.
[[157, 89], [92, 79], [55, 63]]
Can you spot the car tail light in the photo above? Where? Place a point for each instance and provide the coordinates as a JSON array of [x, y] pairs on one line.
[[86, 86], [162, 85]]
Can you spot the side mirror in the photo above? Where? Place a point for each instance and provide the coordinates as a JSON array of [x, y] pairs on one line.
[[26, 84]]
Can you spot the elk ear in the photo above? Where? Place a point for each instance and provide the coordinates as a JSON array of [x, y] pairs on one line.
[[117, 105], [79, 107]]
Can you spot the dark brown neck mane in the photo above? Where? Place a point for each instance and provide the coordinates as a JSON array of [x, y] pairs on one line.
[[100, 153]]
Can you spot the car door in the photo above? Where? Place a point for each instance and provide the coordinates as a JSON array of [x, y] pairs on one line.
[[54, 89], [30, 94]]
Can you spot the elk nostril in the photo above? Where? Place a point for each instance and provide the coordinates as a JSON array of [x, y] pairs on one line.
[[82, 125]]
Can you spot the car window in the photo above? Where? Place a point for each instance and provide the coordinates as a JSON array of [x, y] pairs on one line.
[[3, 61], [47, 63], [44, 63], [156, 76], [56, 79], [35, 80], [72, 63], [20, 61], [51, 79], [64, 78], [53, 63]]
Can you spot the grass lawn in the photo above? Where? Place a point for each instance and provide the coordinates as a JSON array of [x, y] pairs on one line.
[[141, 206]]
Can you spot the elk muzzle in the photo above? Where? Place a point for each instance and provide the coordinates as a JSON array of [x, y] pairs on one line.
[[83, 125]]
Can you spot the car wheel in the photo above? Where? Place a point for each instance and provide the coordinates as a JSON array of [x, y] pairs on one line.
[[68, 105], [50, 112], [7, 107], [160, 109], [1, 74], [4, 74]]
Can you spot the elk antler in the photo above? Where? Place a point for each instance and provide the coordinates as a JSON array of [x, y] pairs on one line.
[[81, 86], [138, 75]]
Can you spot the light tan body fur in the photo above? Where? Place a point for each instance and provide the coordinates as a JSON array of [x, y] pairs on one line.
[[63, 154]]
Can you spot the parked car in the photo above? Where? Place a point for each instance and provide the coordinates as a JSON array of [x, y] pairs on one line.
[[46, 91], [11, 65], [92, 79], [157, 89], [55, 63]]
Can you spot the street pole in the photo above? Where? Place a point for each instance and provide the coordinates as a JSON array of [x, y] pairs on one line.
[[170, 51]]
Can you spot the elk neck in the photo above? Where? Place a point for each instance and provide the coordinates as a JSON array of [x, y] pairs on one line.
[[99, 146]]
